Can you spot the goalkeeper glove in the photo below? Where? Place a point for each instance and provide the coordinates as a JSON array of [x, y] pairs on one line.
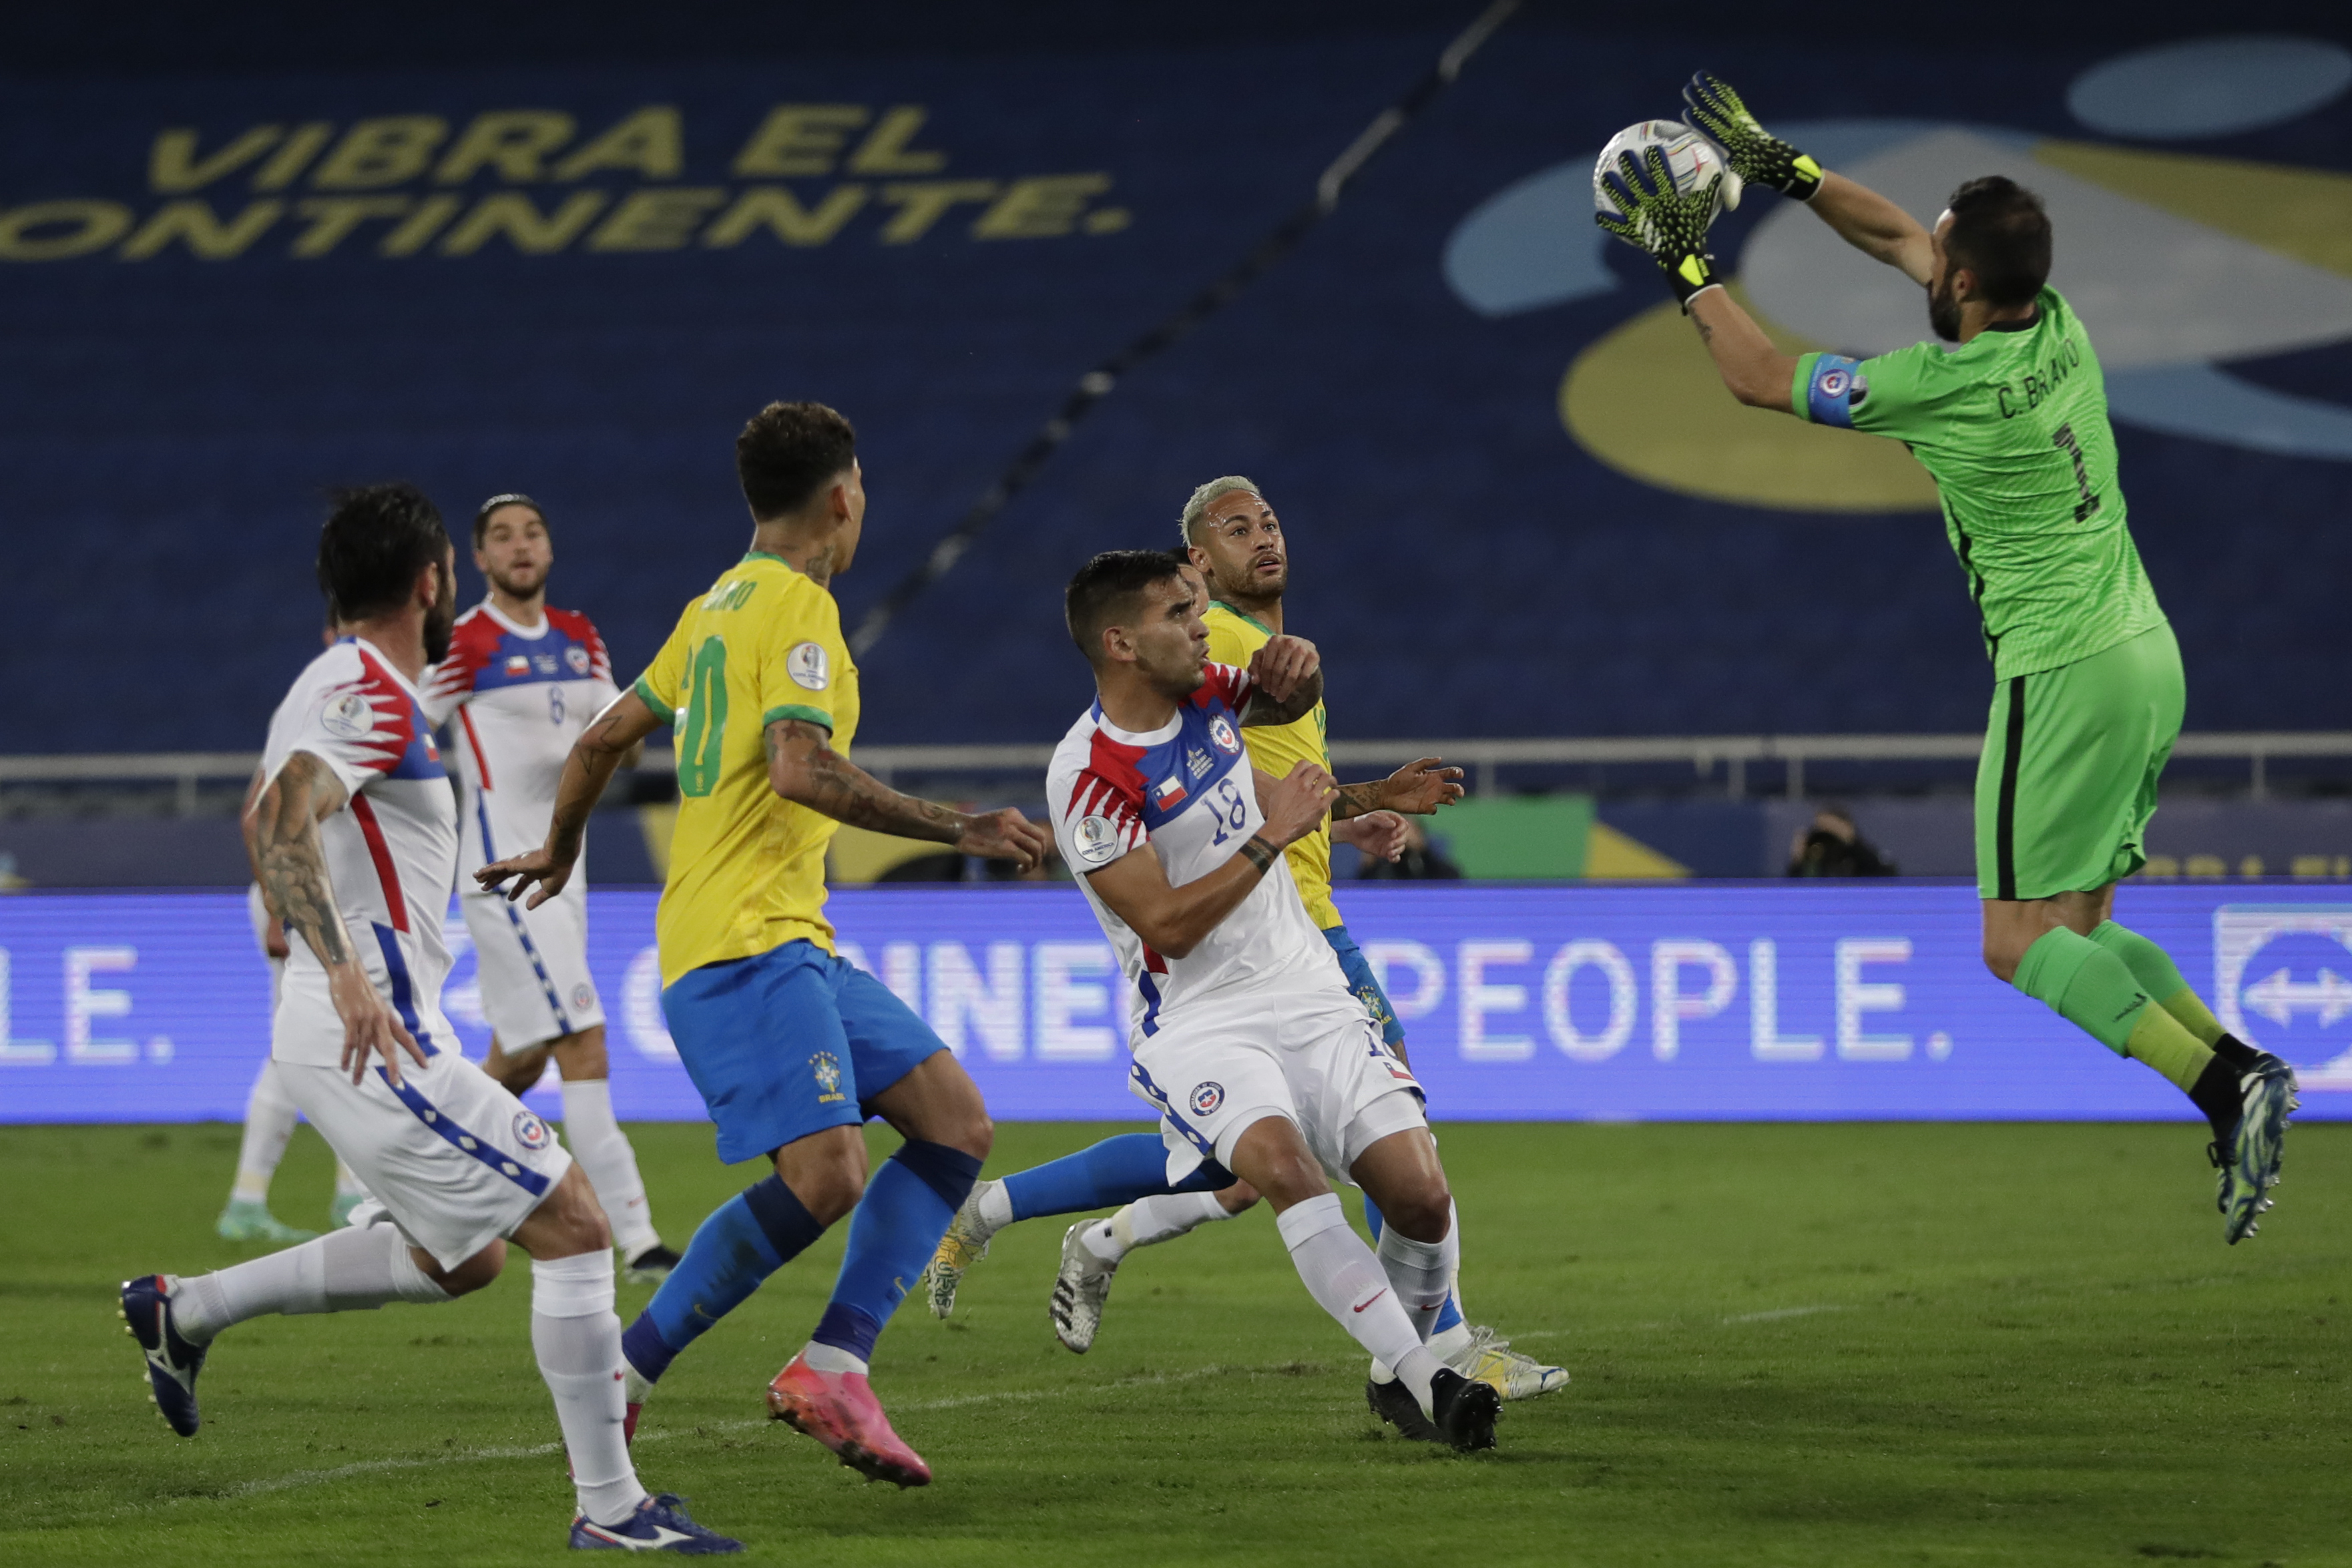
[[1653, 216], [1756, 155]]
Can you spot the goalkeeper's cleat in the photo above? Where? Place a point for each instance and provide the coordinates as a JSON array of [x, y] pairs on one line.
[[2249, 1159], [1080, 1289], [172, 1362], [650, 1265], [1489, 1359], [246, 1220], [660, 1524], [1393, 1402], [965, 1243], [839, 1410], [1755, 154], [1464, 1412]]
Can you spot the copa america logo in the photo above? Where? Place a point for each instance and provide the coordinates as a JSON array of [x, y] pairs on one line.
[[2280, 983]]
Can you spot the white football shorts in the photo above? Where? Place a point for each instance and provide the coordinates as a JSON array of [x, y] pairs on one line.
[[1324, 1066], [534, 967], [455, 1160]]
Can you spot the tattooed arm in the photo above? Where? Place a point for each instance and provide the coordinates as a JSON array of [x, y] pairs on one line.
[[616, 735], [1417, 788], [803, 767], [281, 835], [273, 935]]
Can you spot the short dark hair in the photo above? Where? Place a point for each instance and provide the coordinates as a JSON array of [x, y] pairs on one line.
[[2000, 233], [787, 452], [1181, 557], [1107, 588], [375, 542], [507, 498]]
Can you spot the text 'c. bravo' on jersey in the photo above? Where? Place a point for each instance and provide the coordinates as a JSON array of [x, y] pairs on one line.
[[2013, 427]]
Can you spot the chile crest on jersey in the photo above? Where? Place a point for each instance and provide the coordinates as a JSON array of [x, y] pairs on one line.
[[1188, 767]]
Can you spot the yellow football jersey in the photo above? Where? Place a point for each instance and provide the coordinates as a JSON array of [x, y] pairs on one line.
[[1277, 749], [746, 865]]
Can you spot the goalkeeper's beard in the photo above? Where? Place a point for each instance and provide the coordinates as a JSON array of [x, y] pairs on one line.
[[1944, 312]]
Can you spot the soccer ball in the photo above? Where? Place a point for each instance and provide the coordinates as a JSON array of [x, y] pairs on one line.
[[1691, 159]]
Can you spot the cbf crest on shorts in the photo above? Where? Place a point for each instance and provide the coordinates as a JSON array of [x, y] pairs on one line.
[[826, 1068], [530, 1132], [1206, 1097]]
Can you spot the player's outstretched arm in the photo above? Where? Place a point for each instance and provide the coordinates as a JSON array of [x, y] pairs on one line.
[[1417, 788], [614, 736], [1756, 373], [1173, 920], [803, 767], [1861, 217], [281, 835], [1287, 675]]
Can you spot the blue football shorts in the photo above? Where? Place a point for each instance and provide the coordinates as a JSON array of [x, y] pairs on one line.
[[789, 1043], [1365, 984]]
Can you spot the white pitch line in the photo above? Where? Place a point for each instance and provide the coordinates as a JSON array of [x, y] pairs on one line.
[[295, 1479], [1777, 1313]]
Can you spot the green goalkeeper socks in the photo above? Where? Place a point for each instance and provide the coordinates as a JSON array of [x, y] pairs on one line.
[[2090, 987], [2160, 978]]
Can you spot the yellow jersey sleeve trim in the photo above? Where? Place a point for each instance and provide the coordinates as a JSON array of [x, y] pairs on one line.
[[662, 710], [799, 711]]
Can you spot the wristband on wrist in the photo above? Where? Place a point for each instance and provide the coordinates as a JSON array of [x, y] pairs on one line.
[[1686, 275], [1259, 853]]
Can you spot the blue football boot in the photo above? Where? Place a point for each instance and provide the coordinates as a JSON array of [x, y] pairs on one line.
[[172, 1362], [660, 1524]]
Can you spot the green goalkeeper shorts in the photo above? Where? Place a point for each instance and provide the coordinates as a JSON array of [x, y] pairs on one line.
[[2067, 782]]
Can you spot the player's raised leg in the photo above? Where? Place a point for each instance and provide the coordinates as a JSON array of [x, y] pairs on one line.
[[1128, 1167], [2064, 792]]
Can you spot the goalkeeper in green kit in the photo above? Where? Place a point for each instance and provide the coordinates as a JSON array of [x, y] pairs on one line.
[[2012, 424]]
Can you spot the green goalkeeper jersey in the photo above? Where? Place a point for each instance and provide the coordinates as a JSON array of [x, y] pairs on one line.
[[2013, 427]]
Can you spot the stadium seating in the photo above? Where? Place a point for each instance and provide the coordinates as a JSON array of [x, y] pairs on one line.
[[184, 388]]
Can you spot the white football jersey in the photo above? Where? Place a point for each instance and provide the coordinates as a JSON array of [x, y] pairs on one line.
[[520, 697], [391, 852], [1186, 790]]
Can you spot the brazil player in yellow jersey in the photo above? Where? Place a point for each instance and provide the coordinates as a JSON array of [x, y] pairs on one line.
[[1236, 556], [2012, 422], [791, 1046]]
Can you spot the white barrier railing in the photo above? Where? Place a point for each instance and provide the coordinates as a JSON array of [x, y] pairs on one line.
[[186, 770]]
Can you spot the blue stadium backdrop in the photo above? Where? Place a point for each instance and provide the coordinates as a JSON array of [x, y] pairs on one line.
[[1821, 1001], [223, 292]]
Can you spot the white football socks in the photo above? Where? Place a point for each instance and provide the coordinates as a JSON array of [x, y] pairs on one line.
[[1148, 1221], [596, 1141], [1422, 1271], [1344, 1277], [342, 1272], [993, 1204], [269, 1118], [577, 1338]]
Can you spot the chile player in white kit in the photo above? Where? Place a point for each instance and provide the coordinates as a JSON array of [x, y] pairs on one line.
[[522, 680], [355, 832], [1250, 1044]]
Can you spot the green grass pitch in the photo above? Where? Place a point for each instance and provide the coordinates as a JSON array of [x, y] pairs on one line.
[[1791, 1344]]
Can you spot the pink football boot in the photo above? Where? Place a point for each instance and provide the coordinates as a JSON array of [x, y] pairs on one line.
[[839, 1410]]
